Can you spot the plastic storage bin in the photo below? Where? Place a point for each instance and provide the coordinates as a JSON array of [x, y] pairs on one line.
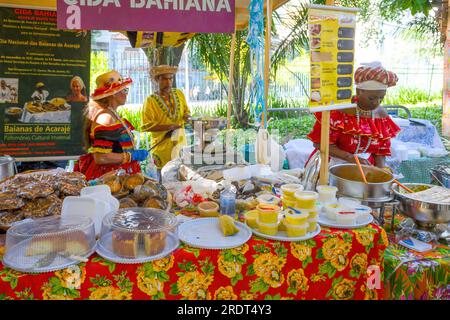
[[49, 244], [137, 235]]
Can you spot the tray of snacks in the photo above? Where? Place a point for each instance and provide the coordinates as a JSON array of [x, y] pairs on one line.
[[336, 215], [138, 235], [57, 110], [14, 111], [268, 221], [49, 244], [137, 190], [37, 194], [214, 233]]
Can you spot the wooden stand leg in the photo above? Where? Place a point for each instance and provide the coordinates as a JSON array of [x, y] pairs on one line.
[[324, 147]]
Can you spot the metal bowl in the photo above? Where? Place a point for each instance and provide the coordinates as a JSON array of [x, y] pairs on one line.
[[345, 177], [423, 212]]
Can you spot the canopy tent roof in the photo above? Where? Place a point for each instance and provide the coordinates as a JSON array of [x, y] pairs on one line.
[[241, 22]]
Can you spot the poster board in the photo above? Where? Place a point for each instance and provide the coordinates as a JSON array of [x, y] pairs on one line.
[[42, 120], [332, 51], [143, 15]]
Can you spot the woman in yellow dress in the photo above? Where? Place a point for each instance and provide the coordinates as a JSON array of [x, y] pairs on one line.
[[164, 114]]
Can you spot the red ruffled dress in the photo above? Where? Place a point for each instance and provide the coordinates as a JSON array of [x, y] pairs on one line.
[[107, 139], [344, 132]]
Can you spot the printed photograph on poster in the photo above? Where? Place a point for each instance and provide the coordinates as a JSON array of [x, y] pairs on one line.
[[9, 88], [315, 83], [315, 70], [316, 96], [347, 20], [315, 29], [315, 43], [317, 56], [56, 110], [77, 90]]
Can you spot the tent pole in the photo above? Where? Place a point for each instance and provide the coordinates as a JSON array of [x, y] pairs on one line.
[[267, 43], [231, 79]]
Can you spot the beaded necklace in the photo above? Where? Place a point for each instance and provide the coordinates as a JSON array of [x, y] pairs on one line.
[[172, 107], [358, 119]]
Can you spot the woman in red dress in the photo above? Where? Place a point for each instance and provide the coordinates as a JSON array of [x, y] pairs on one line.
[[108, 137], [366, 130]]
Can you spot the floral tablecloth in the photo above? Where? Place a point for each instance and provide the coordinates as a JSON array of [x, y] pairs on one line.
[[333, 265], [412, 275]]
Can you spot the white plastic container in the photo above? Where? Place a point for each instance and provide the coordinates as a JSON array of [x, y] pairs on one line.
[[288, 190], [101, 192], [260, 170], [327, 194], [349, 202], [236, 174], [49, 244], [95, 209], [331, 210], [362, 213], [268, 198], [137, 235], [346, 218]]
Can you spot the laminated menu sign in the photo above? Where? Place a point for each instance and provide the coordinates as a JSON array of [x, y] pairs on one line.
[[44, 81], [332, 48]]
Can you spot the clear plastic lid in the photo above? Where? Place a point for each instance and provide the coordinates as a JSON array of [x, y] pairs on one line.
[[49, 244], [136, 235]]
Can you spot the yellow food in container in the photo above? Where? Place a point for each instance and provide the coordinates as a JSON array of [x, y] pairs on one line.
[[288, 203], [268, 213], [251, 217], [312, 224], [296, 230], [312, 213], [289, 189], [208, 209], [270, 229], [296, 218], [306, 199], [282, 224]]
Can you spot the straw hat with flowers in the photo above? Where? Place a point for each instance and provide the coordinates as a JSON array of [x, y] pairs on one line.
[[110, 83]]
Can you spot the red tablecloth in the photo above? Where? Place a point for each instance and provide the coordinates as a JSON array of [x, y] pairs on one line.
[[333, 265]]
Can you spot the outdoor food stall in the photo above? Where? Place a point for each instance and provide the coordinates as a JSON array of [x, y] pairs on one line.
[[219, 228]]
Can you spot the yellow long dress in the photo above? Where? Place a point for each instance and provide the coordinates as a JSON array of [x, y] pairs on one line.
[[156, 112]]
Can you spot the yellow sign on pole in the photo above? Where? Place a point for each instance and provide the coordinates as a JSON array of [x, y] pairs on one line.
[[332, 48]]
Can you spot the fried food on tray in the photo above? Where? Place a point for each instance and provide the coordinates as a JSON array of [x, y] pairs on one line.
[[56, 104]]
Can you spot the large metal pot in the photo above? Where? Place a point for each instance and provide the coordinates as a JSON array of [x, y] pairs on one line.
[[7, 167], [423, 212], [348, 180]]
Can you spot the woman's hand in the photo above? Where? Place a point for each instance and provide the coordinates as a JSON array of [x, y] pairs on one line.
[[363, 161]]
